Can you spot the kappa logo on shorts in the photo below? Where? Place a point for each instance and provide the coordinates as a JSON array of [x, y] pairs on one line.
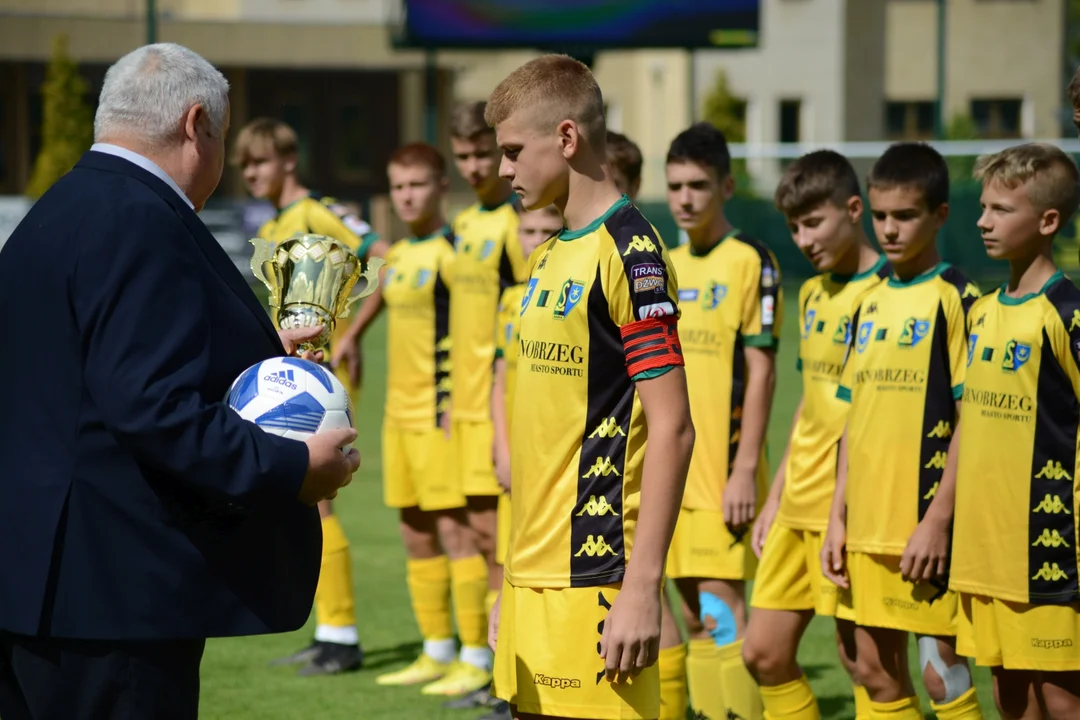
[[556, 683], [1051, 644]]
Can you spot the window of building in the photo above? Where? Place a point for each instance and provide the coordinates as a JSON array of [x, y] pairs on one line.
[[790, 131], [997, 117], [909, 120], [353, 156], [295, 114]]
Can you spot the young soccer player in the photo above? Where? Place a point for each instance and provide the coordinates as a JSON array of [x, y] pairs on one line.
[[443, 560], [600, 368], [730, 298], [1073, 91], [893, 503], [820, 198], [1015, 538], [266, 152], [624, 159]]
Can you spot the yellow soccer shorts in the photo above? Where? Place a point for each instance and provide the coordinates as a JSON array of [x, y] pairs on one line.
[[502, 533], [882, 598], [1018, 636], [472, 457], [416, 470], [547, 659], [702, 547], [789, 576]]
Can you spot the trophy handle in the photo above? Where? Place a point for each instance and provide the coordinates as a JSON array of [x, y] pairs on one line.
[[366, 283], [261, 261]]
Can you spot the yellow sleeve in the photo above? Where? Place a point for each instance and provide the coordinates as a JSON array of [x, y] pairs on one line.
[[806, 322], [762, 309], [635, 259], [1064, 330], [322, 221], [957, 333]]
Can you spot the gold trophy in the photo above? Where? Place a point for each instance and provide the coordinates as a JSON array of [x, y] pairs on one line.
[[311, 279]]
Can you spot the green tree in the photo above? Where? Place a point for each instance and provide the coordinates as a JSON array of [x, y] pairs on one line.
[[726, 112], [961, 127], [67, 123]]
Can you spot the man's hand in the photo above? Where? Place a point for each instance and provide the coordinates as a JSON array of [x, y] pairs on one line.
[[493, 623], [631, 638], [502, 468], [833, 559], [292, 338], [330, 464], [347, 351], [927, 551], [740, 499], [763, 524]]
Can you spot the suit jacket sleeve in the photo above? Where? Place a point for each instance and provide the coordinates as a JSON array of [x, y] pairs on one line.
[[141, 307]]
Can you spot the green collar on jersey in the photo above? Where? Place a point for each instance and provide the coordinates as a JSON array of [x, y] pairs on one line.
[[491, 208], [730, 234], [1009, 300], [441, 232], [873, 270], [592, 227], [928, 275]]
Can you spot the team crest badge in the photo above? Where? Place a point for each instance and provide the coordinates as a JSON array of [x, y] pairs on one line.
[[914, 331], [842, 336], [527, 297], [422, 277], [972, 342], [569, 297], [864, 335], [714, 295], [486, 249], [808, 323], [1016, 356]]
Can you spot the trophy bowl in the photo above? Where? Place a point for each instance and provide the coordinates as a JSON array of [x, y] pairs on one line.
[[313, 280]]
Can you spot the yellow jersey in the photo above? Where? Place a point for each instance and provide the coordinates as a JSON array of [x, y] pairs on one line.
[[903, 375], [729, 299], [506, 342], [488, 260], [578, 433], [1015, 525], [319, 215], [826, 304], [415, 290]]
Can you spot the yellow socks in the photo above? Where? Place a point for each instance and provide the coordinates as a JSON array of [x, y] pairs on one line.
[[741, 693], [672, 665], [429, 588], [790, 701], [703, 678], [335, 609], [862, 703], [965, 707], [489, 600], [903, 709], [468, 583]]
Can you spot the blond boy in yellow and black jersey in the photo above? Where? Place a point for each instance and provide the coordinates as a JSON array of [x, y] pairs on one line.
[[1015, 560]]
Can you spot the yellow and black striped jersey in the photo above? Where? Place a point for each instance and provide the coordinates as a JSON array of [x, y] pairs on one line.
[[826, 304], [320, 215], [1015, 523], [578, 433], [417, 298], [729, 298], [489, 260], [903, 375], [506, 340]]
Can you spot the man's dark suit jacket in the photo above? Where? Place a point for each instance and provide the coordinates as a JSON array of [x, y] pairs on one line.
[[133, 503]]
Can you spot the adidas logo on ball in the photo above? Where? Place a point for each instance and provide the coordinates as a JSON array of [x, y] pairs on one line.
[[282, 377]]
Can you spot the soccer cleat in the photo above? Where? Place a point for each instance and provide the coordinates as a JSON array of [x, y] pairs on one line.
[[462, 678], [501, 711], [482, 698], [332, 659], [424, 669], [299, 657]]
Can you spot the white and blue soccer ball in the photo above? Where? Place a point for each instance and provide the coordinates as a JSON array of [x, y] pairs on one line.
[[291, 397]]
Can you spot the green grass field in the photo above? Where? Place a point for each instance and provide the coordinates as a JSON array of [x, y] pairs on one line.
[[238, 685]]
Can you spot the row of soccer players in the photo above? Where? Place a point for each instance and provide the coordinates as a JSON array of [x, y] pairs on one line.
[[729, 296]]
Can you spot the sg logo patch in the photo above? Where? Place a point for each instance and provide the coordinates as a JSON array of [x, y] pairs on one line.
[[569, 297], [1016, 356], [914, 331]]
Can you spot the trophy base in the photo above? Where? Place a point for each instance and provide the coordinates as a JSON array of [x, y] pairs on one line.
[[306, 316]]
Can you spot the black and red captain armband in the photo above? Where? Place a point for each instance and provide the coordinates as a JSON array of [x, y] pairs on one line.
[[651, 343]]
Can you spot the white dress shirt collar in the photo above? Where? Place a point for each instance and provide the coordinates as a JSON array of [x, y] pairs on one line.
[[144, 162]]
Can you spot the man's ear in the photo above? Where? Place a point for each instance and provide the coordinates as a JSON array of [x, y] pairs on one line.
[[195, 121], [569, 137]]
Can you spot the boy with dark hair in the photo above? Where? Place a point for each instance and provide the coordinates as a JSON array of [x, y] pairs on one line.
[[893, 504], [601, 432], [624, 158], [266, 153], [731, 299], [820, 198], [1015, 560]]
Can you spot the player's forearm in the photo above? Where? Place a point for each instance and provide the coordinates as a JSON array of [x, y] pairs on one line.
[[941, 507], [760, 386], [499, 421], [839, 502], [369, 310], [667, 459]]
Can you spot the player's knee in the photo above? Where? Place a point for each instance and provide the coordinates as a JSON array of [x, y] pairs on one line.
[[945, 676], [718, 618], [763, 659]]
